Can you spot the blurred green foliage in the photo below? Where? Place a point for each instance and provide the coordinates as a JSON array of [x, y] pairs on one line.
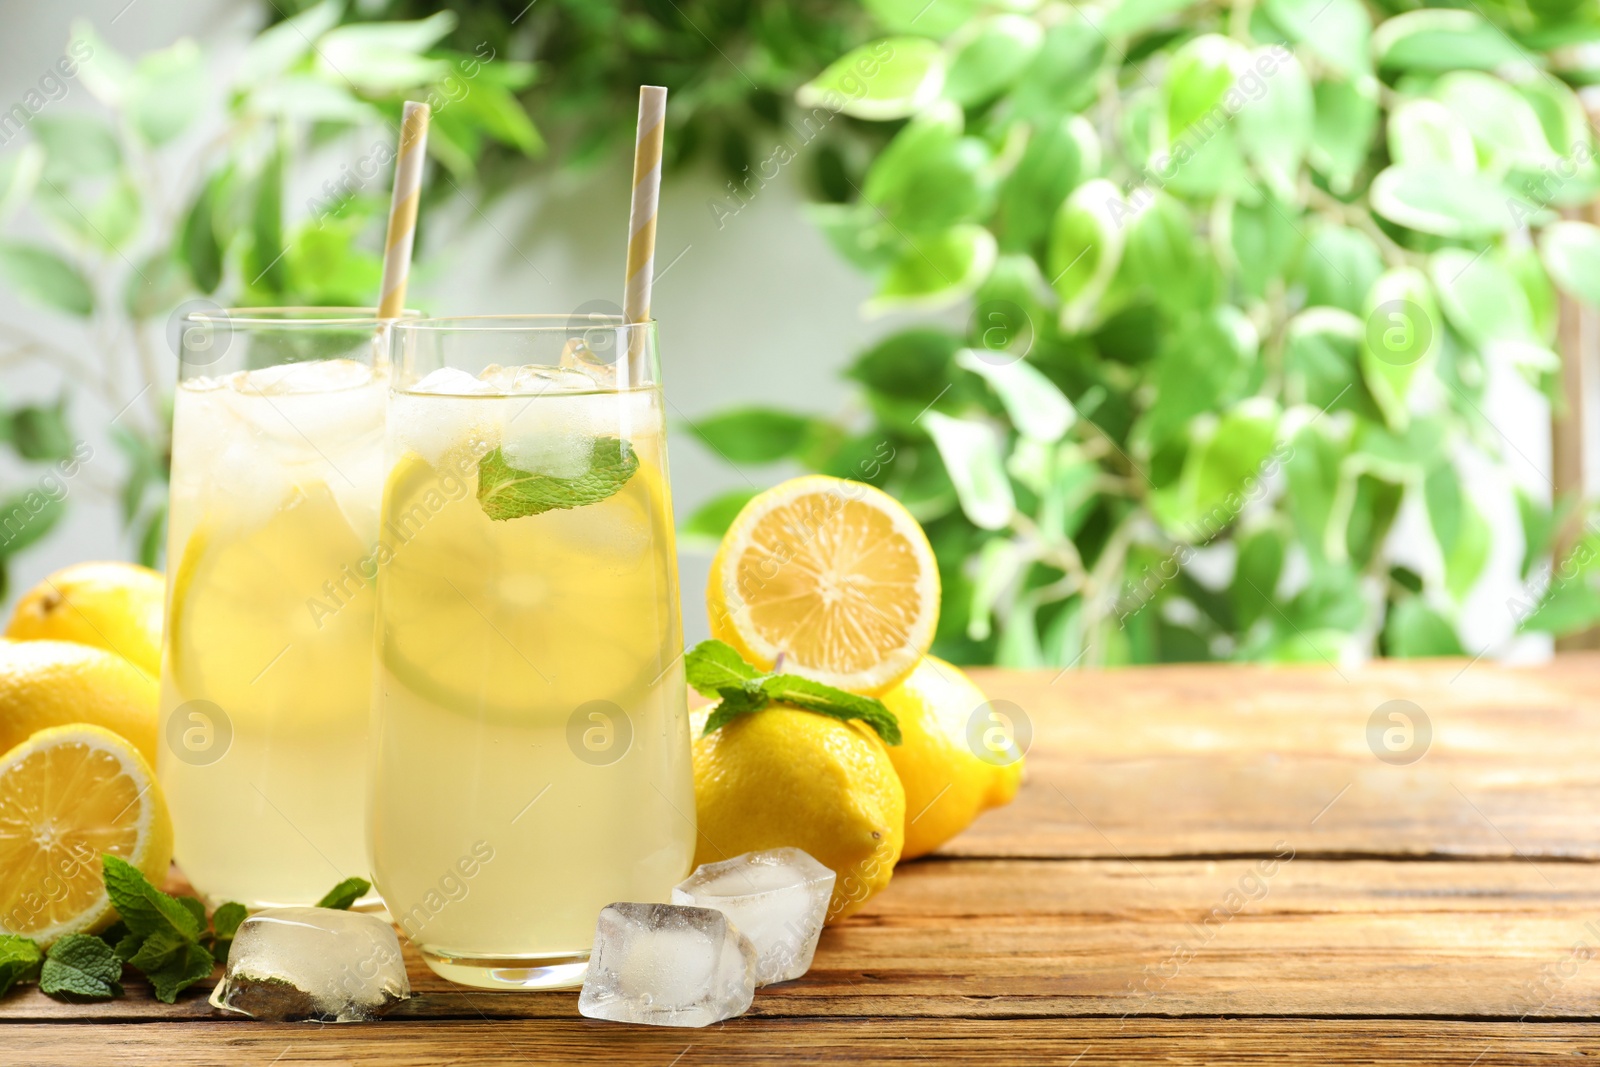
[[1237, 279], [177, 187]]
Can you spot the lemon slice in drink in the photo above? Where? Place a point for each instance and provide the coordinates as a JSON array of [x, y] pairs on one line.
[[260, 612], [68, 795], [497, 618], [835, 576]]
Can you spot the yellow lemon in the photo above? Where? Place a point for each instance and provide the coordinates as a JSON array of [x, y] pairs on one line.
[[52, 683], [114, 606], [782, 777], [69, 795], [834, 576], [952, 769]]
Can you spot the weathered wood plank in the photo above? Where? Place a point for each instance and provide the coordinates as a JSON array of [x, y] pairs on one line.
[[983, 1043], [1206, 760], [980, 938]]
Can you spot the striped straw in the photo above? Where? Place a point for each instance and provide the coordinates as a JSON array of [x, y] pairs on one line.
[[403, 210], [646, 194]]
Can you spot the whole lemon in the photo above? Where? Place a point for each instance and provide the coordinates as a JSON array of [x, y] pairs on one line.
[[948, 774], [53, 683], [782, 777], [114, 606]]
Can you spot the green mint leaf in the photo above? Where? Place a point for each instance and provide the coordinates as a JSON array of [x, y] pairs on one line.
[[173, 965], [505, 492], [735, 702], [713, 666], [345, 894], [19, 961], [81, 967], [225, 923], [113, 933], [142, 906], [127, 945], [197, 909], [826, 700], [715, 669]]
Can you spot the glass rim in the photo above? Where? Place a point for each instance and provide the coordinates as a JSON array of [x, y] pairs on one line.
[[290, 316], [546, 322]]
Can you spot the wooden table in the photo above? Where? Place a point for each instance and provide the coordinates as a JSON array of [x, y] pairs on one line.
[[1206, 864]]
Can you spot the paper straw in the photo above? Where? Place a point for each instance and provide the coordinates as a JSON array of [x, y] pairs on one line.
[[403, 210], [646, 194]]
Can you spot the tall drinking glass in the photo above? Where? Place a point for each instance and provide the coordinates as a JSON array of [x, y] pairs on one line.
[[531, 742], [266, 682]]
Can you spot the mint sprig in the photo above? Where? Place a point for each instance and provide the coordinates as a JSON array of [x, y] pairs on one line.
[[167, 936], [346, 893], [716, 670], [81, 967], [19, 961], [507, 492]]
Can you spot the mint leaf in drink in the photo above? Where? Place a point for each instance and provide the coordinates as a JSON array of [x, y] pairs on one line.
[[712, 666], [506, 492], [715, 669], [143, 907], [345, 894], [81, 967], [19, 961]]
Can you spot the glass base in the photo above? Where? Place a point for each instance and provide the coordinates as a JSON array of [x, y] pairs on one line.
[[510, 972]]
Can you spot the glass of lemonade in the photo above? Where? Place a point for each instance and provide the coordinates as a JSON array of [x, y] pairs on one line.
[[531, 758], [266, 682]]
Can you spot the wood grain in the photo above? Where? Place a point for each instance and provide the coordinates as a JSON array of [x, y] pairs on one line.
[[1205, 863]]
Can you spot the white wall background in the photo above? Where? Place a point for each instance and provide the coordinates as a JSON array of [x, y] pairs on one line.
[[757, 311]]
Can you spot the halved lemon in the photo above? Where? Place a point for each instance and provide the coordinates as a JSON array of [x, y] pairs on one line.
[[69, 795], [259, 611], [835, 576]]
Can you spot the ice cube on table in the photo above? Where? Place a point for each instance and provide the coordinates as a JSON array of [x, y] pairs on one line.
[[667, 965], [313, 963], [777, 898]]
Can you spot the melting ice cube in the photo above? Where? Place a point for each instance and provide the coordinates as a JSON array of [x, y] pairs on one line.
[[313, 963], [451, 381], [777, 898], [667, 965]]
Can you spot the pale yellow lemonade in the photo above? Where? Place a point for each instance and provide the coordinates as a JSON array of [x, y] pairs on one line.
[[531, 748], [267, 672]]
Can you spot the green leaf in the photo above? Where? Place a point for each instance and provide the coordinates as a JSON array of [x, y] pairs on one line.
[[1440, 40], [1086, 242], [1567, 607], [1502, 122], [929, 177], [1227, 466], [1538, 530], [265, 262], [508, 492], [19, 177], [1037, 408], [308, 99], [385, 57], [1199, 75], [1313, 482], [762, 435], [1571, 253], [41, 432], [990, 56], [81, 967], [1336, 31], [1321, 358], [45, 278], [277, 48], [1479, 297], [971, 454], [1423, 132], [1206, 361], [25, 518], [105, 73], [1060, 80], [825, 700], [1339, 268], [158, 286], [19, 961], [1135, 16], [1275, 131], [1050, 168], [167, 91], [1401, 340], [1437, 199], [1257, 569], [887, 79], [1341, 139], [936, 272], [144, 908], [499, 114], [225, 923], [202, 252], [1163, 262], [713, 666], [346, 893], [712, 519], [76, 147], [1414, 630], [918, 16], [1461, 530]]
